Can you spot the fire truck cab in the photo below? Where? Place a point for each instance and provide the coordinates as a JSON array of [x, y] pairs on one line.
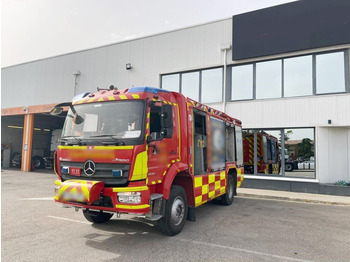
[[146, 151], [268, 154]]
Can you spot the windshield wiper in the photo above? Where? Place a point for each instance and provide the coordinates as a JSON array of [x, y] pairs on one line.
[[78, 139], [116, 141]]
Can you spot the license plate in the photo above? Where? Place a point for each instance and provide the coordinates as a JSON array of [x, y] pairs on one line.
[[75, 197], [74, 171]]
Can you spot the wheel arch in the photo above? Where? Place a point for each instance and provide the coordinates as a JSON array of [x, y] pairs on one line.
[[177, 174]]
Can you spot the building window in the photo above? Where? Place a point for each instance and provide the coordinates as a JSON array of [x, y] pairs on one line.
[[190, 85], [212, 85], [330, 71], [299, 152], [269, 79], [242, 82], [290, 77], [279, 152], [171, 82], [203, 85], [297, 73]]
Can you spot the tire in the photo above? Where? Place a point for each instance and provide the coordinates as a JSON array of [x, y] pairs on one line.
[[288, 167], [175, 212], [96, 217], [39, 162], [227, 198]]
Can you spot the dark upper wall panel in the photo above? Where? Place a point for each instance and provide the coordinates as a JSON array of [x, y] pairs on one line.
[[291, 27]]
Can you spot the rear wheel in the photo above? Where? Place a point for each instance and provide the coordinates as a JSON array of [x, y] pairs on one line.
[[227, 199], [175, 212], [96, 216]]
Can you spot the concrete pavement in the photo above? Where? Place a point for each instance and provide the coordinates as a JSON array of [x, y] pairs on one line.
[[293, 196]]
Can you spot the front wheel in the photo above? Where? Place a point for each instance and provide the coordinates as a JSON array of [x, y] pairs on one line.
[[227, 199], [39, 162], [96, 217], [288, 167], [175, 212]]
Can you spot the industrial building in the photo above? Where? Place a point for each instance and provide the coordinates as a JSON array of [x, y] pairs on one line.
[[282, 70]]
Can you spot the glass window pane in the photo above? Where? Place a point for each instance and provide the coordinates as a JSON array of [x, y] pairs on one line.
[[242, 82], [212, 85], [298, 76], [267, 160], [299, 150], [171, 82], [248, 151], [190, 85], [268, 79], [330, 73], [268, 152]]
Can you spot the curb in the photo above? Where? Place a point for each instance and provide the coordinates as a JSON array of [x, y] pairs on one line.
[[314, 201]]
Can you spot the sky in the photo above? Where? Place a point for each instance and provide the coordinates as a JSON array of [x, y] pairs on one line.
[[36, 29]]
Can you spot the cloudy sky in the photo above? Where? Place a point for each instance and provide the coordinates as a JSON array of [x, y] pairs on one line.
[[35, 29]]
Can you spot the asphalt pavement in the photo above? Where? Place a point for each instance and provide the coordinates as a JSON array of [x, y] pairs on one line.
[[34, 228]]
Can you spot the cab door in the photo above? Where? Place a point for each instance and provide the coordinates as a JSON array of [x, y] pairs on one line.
[[162, 141]]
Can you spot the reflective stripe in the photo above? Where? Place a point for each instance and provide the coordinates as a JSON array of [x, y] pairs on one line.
[[140, 166], [179, 122], [96, 147], [130, 189], [208, 187], [132, 207], [111, 98], [123, 97], [197, 181], [136, 96]]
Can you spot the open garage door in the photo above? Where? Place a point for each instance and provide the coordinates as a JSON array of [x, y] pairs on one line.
[[46, 131]]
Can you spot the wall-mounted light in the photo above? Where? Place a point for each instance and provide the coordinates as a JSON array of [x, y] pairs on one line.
[[329, 121], [128, 66], [76, 74]]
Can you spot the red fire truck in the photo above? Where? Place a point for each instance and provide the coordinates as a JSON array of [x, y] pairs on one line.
[[146, 151], [268, 159]]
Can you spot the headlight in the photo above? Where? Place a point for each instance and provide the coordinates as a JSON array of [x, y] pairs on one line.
[[56, 189], [129, 197]]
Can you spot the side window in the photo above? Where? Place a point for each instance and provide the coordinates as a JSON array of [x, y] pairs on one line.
[[168, 120], [239, 145], [200, 143], [269, 148], [230, 144], [155, 123], [161, 122], [217, 131], [266, 150]]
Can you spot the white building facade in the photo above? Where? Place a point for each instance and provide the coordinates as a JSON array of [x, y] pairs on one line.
[[293, 95]]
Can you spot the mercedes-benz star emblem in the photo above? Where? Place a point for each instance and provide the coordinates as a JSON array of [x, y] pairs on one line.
[[89, 168]]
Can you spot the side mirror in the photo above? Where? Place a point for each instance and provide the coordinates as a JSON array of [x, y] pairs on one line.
[[56, 111], [154, 136], [79, 120]]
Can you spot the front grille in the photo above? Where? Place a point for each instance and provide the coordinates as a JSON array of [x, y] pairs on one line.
[[103, 172]]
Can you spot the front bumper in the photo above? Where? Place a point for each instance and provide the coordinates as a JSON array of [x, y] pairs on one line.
[[94, 195]]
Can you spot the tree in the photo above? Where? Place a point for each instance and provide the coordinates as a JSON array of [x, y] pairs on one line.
[[305, 148]]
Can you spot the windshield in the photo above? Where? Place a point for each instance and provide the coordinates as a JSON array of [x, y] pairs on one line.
[[108, 121]]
